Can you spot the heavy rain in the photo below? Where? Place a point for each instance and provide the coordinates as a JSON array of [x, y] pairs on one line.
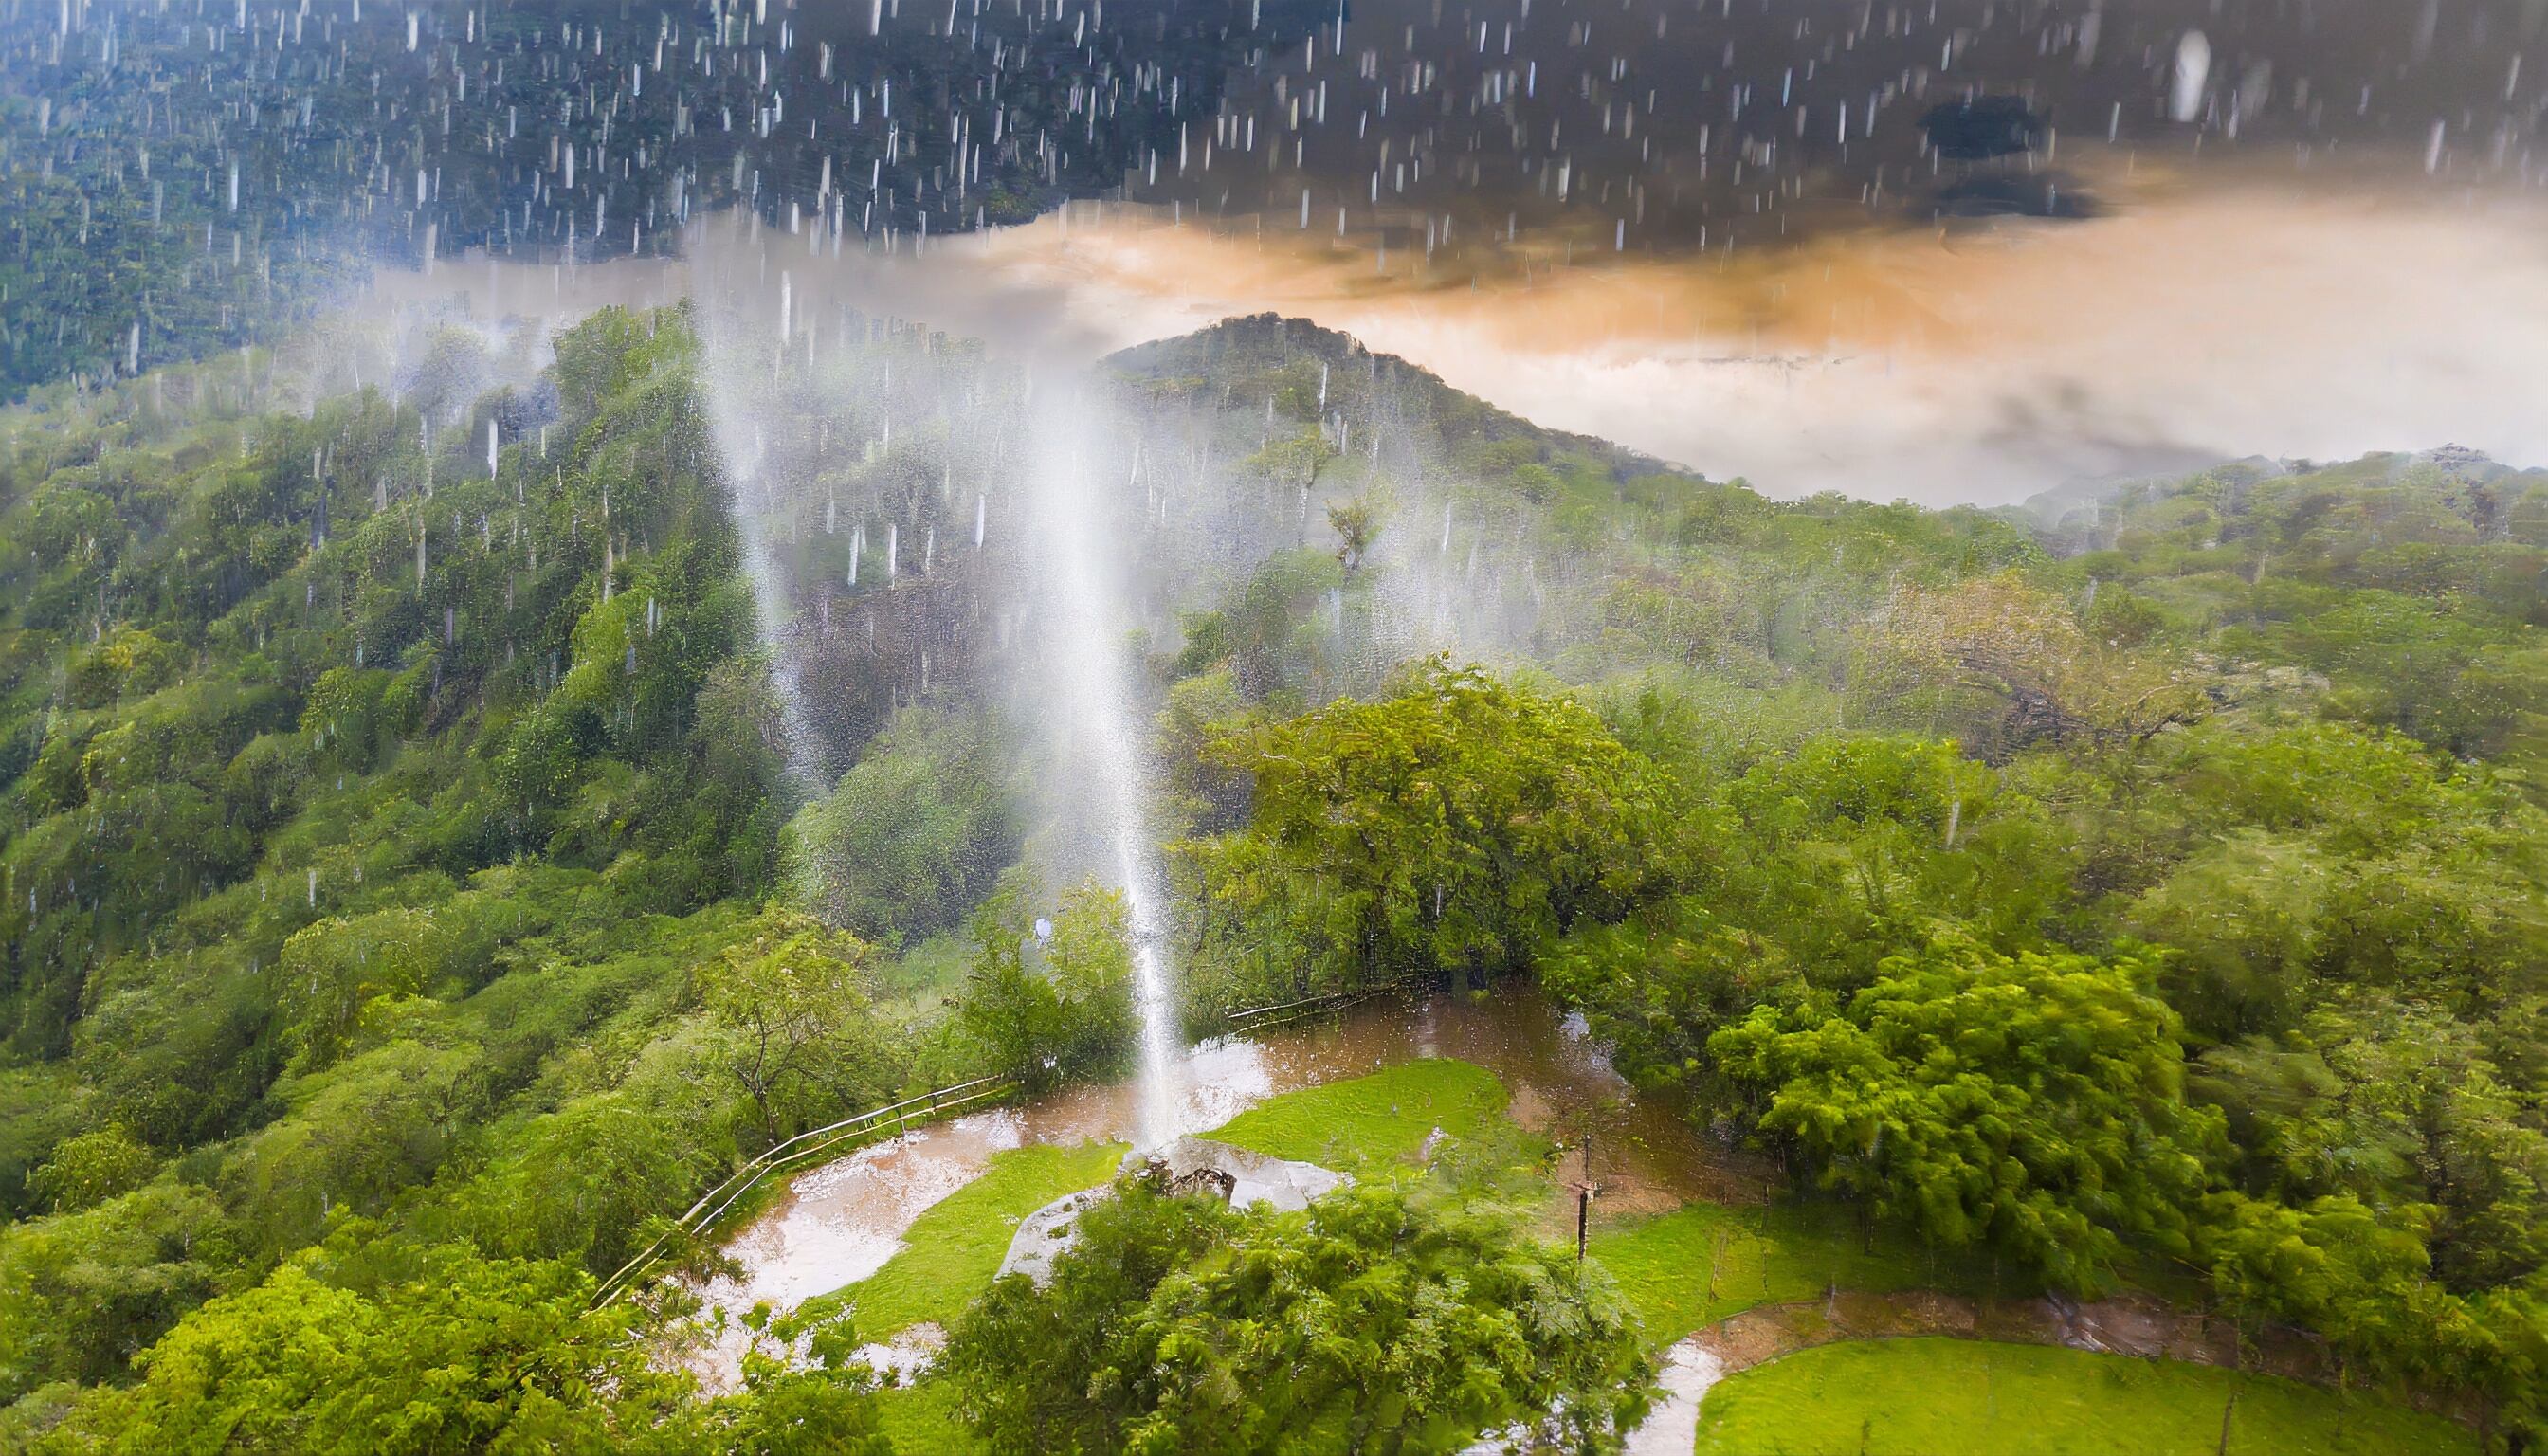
[[1273, 725]]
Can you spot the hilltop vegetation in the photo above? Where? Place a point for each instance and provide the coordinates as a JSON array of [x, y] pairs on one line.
[[2158, 882], [411, 895], [389, 852]]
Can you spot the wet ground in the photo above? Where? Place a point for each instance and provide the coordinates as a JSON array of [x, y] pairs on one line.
[[840, 1222], [2134, 1325]]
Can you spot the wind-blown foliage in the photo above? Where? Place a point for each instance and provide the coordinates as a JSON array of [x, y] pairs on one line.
[[1462, 824], [387, 851], [1056, 1000], [449, 1352], [384, 847], [914, 834], [2032, 1103], [2235, 774], [1370, 1322]]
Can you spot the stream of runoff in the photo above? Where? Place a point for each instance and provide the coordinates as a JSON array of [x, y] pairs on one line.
[[840, 1222]]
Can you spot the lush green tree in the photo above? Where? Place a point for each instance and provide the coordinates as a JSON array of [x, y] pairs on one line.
[[93, 1167], [2285, 861], [1201, 797], [1656, 985], [801, 1039], [1460, 824], [913, 835], [595, 1180], [1851, 848], [730, 801], [2031, 1104], [2395, 1103], [329, 971], [1373, 1320], [828, 1409], [40, 1107], [2334, 1265], [1050, 998], [1263, 635], [359, 1134], [455, 1352], [82, 1293], [130, 664]]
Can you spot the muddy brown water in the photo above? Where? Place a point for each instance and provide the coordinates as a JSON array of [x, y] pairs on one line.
[[840, 1222]]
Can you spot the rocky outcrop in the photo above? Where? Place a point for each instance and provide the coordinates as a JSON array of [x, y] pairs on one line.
[[1243, 1178], [1234, 1175], [1046, 1234]]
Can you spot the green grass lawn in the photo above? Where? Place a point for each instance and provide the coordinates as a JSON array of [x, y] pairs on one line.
[[954, 1247], [1703, 1261], [1381, 1118], [1926, 1397], [921, 1418]]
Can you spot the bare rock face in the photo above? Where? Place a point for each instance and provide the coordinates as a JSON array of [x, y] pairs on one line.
[[1046, 1234], [1189, 1165], [1243, 1178]]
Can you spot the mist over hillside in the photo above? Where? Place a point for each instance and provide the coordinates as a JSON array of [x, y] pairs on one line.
[[740, 728], [429, 868]]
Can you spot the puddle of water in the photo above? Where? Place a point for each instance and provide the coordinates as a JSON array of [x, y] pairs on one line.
[[840, 1222]]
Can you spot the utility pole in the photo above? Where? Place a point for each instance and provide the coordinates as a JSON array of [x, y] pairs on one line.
[[1584, 1188]]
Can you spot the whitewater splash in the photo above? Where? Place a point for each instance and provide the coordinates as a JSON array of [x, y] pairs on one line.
[[924, 523], [1085, 668], [935, 523], [743, 451]]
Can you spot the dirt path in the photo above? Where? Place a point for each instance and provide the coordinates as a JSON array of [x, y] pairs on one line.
[[1671, 1426]]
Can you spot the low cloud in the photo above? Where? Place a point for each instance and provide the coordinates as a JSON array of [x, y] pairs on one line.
[[2185, 325]]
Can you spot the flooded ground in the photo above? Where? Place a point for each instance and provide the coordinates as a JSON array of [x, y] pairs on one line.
[[840, 1222]]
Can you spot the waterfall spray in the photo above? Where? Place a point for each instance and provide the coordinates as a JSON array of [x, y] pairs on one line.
[[1088, 683], [1067, 580], [733, 399]]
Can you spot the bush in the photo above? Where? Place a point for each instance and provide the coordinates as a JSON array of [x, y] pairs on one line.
[[1370, 1322]]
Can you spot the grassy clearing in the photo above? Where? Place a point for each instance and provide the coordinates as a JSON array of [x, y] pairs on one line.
[[922, 1417], [1702, 1262], [1381, 1118], [954, 1247], [1921, 1397]]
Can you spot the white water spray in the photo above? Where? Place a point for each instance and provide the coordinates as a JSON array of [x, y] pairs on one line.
[[2193, 72], [1087, 683], [1063, 575], [734, 395]]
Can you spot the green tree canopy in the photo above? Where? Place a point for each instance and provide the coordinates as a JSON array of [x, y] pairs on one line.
[[1052, 1000], [1371, 1322], [2032, 1103], [796, 1031], [1463, 824], [914, 834]]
